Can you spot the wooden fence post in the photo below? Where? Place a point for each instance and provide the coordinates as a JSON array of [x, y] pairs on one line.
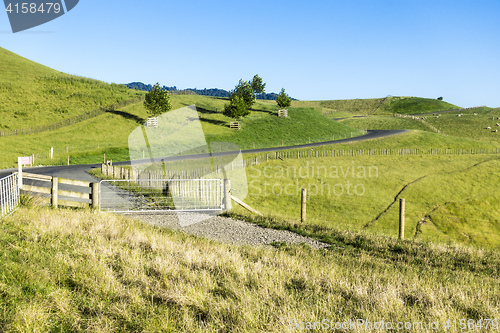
[[227, 194], [95, 195], [303, 206], [402, 219], [55, 190]]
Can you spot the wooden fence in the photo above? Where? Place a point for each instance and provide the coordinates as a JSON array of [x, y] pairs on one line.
[[61, 192], [117, 172], [152, 122], [70, 121], [283, 113], [235, 125]]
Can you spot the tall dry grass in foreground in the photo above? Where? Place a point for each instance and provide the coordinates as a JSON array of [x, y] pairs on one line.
[[82, 271]]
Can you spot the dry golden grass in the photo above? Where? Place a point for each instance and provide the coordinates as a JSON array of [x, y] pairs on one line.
[[83, 271]]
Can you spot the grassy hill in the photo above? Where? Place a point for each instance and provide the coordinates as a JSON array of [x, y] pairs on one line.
[[84, 271], [379, 106], [108, 134], [34, 95], [471, 123], [414, 105]]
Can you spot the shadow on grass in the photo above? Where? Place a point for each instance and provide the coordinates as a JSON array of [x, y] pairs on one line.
[[264, 111], [207, 111], [128, 116], [215, 122]]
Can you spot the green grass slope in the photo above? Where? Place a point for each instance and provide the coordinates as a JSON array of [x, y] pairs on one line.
[[389, 105], [108, 134], [33, 95], [341, 108], [472, 124], [82, 271], [414, 105]]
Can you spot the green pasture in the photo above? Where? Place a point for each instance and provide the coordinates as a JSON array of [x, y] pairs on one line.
[[444, 194]]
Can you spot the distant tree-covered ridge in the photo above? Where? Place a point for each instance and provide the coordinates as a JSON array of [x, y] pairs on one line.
[[214, 92]]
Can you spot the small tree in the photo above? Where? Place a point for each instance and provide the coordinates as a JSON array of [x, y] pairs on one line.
[[283, 99], [440, 98], [244, 91], [257, 85], [236, 108], [157, 101]]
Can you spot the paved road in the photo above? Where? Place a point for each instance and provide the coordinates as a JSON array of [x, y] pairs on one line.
[[79, 172]]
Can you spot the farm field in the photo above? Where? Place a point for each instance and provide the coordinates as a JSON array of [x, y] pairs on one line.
[[450, 199], [472, 123], [82, 270], [275, 167]]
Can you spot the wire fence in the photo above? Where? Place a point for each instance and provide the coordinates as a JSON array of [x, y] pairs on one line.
[[128, 173], [70, 121], [9, 195]]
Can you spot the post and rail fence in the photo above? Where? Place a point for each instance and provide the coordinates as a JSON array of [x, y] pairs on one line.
[[57, 192]]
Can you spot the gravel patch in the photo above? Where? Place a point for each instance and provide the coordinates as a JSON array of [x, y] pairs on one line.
[[225, 229]]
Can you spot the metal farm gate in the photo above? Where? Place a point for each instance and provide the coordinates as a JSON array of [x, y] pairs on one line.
[[9, 195], [147, 195]]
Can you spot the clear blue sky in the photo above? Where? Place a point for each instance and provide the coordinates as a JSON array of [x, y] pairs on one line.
[[314, 49]]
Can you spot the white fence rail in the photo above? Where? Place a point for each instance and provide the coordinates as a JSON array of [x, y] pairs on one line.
[[145, 195], [9, 195]]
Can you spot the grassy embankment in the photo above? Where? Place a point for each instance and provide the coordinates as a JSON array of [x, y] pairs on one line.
[[65, 270]]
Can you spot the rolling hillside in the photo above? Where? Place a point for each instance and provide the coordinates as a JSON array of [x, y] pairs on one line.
[[34, 95], [378, 106]]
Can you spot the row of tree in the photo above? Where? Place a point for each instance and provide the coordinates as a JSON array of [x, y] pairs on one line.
[[157, 100], [213, 92], [244, 94]]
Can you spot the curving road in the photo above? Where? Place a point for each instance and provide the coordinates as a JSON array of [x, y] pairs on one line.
[[79, 172]]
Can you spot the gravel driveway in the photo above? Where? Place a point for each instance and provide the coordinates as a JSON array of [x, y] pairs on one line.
[[226, 230]]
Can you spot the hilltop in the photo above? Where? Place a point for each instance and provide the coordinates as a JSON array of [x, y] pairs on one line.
[[379, 106]]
